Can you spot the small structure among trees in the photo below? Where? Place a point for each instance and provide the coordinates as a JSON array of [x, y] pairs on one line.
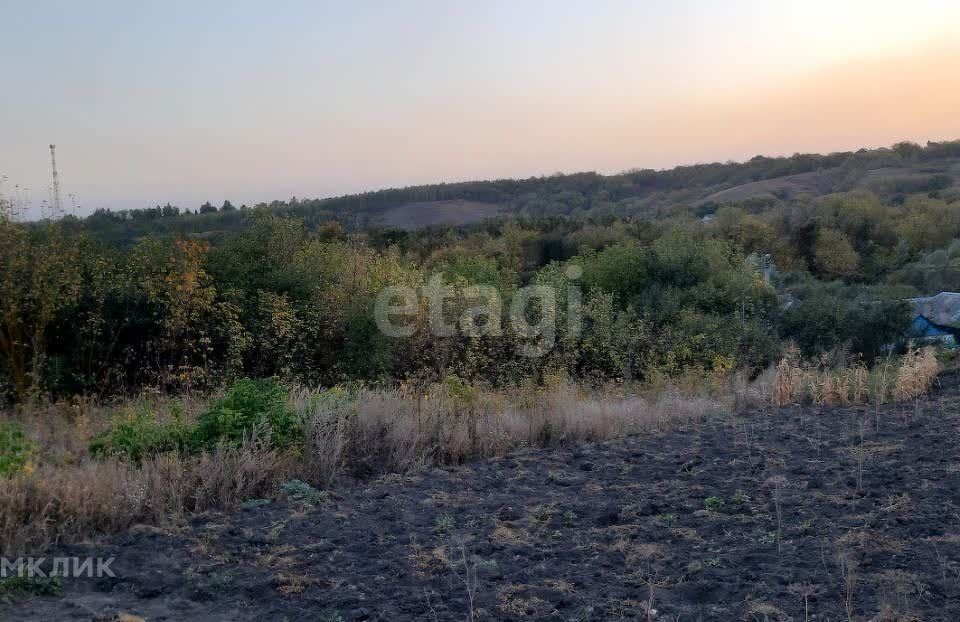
[[936, 318]]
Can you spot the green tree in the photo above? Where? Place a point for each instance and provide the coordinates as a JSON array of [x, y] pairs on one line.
[[833, 255], [39, 278]]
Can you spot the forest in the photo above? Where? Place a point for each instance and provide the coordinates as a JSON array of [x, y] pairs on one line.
[[671, 281]]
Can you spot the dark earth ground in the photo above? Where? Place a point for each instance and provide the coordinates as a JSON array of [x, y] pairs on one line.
[[585, 533]]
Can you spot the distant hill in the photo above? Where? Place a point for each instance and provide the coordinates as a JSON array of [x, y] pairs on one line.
[[456, 212], [892, 173], [813, 183]]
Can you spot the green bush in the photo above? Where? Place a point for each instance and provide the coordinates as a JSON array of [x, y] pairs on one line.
[[248, 406], [139, 435], [302, 491], [16, 449], [17, 585]]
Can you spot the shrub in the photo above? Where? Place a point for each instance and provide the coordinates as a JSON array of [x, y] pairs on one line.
[[828, 316], [139, 435], [16, 450], [19, 585], [248, 406], [713, 504], [302, 491]]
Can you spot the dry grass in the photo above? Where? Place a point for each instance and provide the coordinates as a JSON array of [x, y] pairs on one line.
[[68, 503], [796, 381], [917, 373], [400, 430], [67, 495]]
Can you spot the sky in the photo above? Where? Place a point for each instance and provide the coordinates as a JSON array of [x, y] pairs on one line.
[[186, 102]]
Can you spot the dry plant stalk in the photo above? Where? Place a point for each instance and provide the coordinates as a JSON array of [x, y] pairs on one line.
[[789, 380], [796, 382], [848, 573], [918, 371], [861, 377]]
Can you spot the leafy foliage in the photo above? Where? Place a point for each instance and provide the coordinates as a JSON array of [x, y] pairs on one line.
[[16, 450], [139, 435], [22, 585], [302, 491], [666, 276], [249, 406]]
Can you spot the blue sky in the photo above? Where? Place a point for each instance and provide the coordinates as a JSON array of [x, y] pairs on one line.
[[187, 102]]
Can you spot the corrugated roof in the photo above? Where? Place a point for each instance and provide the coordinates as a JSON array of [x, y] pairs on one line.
[[942, 309]]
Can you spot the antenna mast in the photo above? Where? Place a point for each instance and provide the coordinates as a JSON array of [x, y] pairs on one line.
[[56, 209]]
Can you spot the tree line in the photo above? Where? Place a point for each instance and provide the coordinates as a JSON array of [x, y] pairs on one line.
[[280, 297]]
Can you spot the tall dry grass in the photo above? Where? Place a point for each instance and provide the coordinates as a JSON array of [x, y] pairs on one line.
[[916, 374], [67, 495], [797, 381], [383, 431], [55, 503]]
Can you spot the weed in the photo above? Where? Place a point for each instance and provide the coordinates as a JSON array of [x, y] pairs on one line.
[[253, 504], [805, 591], [138, 435], [848, 574], [713, 504], [806, 527], [556, 478], [443, 524], [469, 579], [248, 406], [399, 430], [220, 581], [302, 491], [542, 512], [860, 452], [17, 585], [288, 583], [776, 485], [16, 450]]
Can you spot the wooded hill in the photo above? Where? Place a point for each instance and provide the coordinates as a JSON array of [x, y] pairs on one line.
[[758, 184]]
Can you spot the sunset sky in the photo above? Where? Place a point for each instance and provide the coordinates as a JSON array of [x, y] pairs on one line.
[[249, 101]]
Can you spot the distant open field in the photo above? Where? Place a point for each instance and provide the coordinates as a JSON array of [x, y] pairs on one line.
[[432, 213], [818, 183], [789, 186]]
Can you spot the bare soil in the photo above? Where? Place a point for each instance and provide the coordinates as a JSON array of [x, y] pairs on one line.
[[868, 527]]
